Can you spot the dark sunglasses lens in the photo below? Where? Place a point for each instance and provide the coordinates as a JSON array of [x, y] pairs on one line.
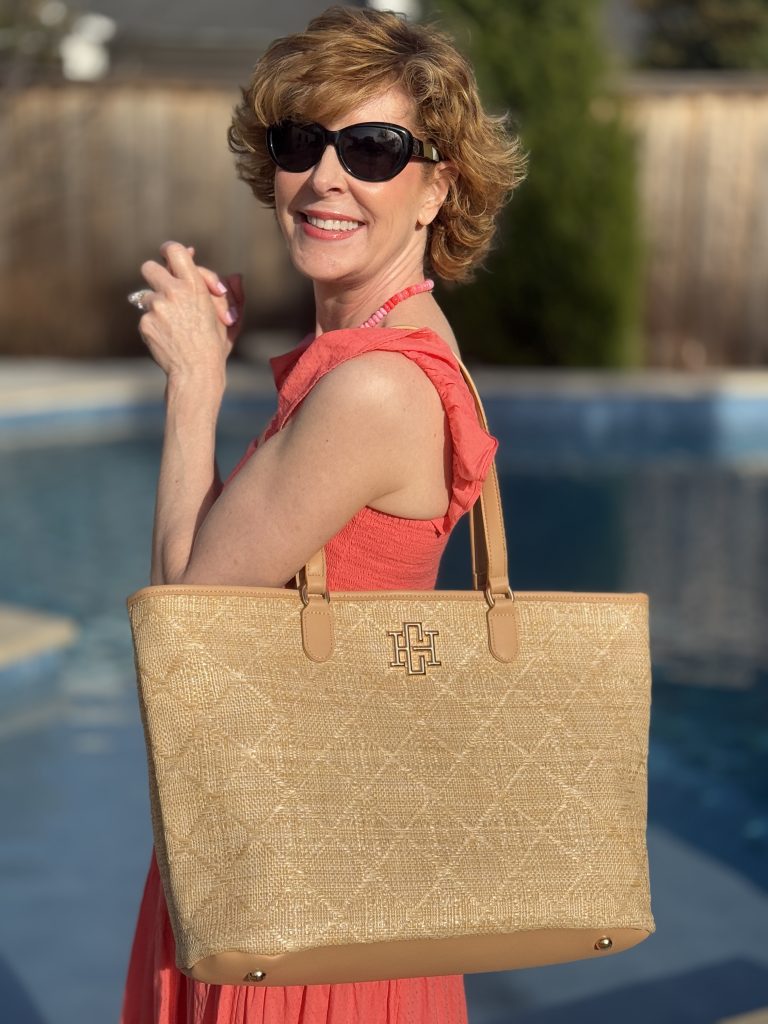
[[373, 154], [295, 147]]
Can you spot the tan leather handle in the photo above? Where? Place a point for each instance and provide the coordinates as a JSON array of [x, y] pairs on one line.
[[487, 537], [488, 543]]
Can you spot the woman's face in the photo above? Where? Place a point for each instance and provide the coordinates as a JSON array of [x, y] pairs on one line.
[[390, 216]]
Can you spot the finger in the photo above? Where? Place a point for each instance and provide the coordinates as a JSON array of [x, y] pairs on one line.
[[215, 284], [235, 300], [156, 275], [226, 312], [179, 261], [223, 303]]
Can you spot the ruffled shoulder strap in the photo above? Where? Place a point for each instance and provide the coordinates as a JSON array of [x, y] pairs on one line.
[[473, 447]]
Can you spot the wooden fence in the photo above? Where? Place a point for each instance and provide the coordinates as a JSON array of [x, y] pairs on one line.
[[94, 178], [703, 158]]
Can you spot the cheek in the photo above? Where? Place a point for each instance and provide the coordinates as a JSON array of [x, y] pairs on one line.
[[280, 200], [394, 203], [404, 213], [286, 186], [405, 196]]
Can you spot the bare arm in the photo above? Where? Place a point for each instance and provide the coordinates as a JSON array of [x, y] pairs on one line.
[[189, 480], [357, 436], [189, 331]]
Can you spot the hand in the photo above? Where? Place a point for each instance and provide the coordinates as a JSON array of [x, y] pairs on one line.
[[186, 326], [228, 297]]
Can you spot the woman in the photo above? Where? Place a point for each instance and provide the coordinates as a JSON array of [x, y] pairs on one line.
[[372, 456]]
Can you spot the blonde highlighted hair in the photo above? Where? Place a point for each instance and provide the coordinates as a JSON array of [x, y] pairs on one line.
[[347, 55]]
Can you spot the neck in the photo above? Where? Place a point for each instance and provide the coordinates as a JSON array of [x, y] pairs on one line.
[[342, 306]]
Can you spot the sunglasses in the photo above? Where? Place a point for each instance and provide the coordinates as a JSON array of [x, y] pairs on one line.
[[370, 151]]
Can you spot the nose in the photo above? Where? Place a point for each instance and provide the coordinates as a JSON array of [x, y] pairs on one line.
[[328, 173]]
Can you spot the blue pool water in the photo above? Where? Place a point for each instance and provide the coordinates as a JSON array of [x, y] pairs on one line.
[[691, 533]]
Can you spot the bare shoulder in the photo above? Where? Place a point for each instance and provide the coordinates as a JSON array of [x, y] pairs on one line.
[[378, 420], [389, 388]]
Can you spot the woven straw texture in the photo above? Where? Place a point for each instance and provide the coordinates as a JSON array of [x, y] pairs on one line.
[[412, 786]]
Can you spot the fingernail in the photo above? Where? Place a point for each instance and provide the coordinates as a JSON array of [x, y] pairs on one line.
[[231, 315], [221, 288]]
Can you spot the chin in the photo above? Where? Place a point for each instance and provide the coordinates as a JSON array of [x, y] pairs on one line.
[[322, 273]]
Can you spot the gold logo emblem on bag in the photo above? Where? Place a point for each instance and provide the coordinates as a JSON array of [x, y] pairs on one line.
[[414, 648]]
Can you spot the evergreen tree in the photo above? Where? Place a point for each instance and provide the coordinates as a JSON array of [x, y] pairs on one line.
[[563, 284], [705, 34]]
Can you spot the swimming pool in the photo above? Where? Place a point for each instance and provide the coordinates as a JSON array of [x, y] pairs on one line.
[[686, 525]]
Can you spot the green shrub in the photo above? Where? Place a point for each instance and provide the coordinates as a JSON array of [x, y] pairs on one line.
[[562, 287], [705, 34]]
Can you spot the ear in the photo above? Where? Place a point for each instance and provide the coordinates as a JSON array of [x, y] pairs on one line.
[[435, 191]]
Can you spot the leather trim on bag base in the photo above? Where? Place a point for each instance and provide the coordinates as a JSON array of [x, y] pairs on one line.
[[380, 961]]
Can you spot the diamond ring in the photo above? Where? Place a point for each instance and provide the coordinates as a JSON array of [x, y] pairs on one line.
[[139, 299]]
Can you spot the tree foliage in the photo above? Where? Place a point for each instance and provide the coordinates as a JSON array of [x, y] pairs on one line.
[[562, 286], [705, 34], [30, 34]]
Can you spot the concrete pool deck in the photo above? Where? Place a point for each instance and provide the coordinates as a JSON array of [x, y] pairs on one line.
[[577, 412], [31, 645], [31, 386]]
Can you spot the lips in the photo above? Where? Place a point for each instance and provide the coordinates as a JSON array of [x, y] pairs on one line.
[[333, 223], [329, 225]]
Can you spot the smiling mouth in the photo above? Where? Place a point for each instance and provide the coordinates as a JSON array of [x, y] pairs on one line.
[[331, 225]]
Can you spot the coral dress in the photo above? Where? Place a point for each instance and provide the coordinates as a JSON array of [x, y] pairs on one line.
[[373, 551]]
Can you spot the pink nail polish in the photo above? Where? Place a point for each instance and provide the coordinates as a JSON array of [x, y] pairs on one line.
[[232, 312], [221, 288]]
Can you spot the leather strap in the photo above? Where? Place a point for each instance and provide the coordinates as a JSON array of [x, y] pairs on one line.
[[488, 544]]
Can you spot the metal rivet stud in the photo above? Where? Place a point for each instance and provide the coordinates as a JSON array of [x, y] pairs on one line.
[[255, 976], [604, 943]]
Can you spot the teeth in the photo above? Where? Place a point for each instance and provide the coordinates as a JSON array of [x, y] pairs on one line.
[[333, 225]]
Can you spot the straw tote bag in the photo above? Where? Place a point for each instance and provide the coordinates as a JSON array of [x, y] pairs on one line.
[[366, 785]]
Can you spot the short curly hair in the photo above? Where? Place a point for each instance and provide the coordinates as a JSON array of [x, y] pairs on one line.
[[347, 54]]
